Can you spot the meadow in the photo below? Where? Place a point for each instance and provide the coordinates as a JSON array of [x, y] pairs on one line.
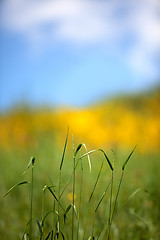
[[115, 127]]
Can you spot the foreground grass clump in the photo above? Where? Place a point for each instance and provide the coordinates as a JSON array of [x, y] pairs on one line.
[[80, 205]]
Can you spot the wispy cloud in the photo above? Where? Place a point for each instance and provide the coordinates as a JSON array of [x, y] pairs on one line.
[[90, 22]]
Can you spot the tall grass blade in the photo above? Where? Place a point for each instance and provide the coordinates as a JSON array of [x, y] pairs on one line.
[[32, 161], [64, 150], [96, 182], [80, 200], [16, 185], [102, 197], [123, 167], [59, 188], [110, 208], [73, 192]]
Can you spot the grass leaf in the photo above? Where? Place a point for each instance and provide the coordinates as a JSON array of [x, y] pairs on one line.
[[39, 227], [50, 233], [86, 154], [96, 182], [65, 146], [102, 197], [51, 211], [31, 162], [16, 185], [124, 164], [68, 209], [78, 148], [49, 188]]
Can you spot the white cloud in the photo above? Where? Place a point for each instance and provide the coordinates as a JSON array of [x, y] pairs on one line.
[[87, 22]]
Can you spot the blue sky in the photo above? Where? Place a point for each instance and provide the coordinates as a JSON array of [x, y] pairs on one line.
[[75, 52]]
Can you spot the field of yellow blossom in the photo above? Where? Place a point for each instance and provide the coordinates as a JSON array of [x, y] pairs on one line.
[[123, 121]]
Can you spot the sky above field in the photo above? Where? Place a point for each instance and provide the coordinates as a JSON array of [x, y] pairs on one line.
[[74, 52]]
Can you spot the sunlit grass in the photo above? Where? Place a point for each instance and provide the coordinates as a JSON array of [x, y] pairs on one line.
[[97, 209]]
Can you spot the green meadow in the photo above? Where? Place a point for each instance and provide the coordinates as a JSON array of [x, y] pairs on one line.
[[56, 186]]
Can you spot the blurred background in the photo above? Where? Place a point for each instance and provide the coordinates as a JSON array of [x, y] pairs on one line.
[[77, 57], [93, 65]]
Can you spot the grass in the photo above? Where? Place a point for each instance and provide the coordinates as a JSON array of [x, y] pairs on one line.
[[79, 195]]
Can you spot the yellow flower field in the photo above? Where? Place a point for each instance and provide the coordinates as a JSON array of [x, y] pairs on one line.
[[123, 121]]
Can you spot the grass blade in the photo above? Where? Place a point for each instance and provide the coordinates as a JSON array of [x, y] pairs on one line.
[[24, 233], [16, 185], [51, 211], [102, 197], [31, 162], [55, 197], [96, 182], [86, 154], [50, 233], [78, 148], [64, 150], [124, 164], [67, 210], [68, 180], [40, 228]]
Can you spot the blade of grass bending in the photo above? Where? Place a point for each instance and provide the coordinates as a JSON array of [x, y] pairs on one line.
[[50, 233], [110, 165], [96, 182], [40, 228], [51, 211], [123, 167], [68, 209], [55, 197], [16, 185], [31, 162], [62, 235], [78, 148]]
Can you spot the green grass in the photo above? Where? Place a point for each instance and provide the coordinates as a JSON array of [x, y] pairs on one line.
[[104, 207]]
